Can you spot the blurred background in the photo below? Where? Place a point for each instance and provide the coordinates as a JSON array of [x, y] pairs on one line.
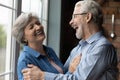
[[54, 16]]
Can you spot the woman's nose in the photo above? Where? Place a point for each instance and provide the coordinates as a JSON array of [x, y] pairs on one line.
[[37, 26]]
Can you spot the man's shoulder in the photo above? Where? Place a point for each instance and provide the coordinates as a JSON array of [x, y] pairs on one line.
[[102, 41]]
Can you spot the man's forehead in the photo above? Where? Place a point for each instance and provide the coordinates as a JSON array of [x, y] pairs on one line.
[[76, 10]]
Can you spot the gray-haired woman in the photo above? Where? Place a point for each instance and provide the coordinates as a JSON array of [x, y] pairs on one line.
[[28, 30]]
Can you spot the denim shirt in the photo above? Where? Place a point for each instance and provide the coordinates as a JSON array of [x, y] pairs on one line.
[[91, 50], [30, 56]]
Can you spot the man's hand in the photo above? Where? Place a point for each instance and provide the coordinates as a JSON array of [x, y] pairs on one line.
[[74, 63], [32, 73]]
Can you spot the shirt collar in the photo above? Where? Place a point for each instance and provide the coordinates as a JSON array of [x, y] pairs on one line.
[[33, 52], [92, 38]]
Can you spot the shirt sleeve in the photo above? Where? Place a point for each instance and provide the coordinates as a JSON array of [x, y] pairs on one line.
[[52, 76], [21, 65]]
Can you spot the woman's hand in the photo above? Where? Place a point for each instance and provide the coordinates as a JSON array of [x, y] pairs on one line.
[[32, 73], [73, 65]]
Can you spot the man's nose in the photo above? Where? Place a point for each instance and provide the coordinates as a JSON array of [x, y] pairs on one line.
[[71, 22]]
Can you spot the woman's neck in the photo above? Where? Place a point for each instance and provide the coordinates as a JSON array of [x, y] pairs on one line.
[[38, 47]]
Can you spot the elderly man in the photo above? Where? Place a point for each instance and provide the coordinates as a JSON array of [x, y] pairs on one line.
[[98, 60]]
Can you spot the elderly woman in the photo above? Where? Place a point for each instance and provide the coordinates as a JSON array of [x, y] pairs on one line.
[[28, 30]]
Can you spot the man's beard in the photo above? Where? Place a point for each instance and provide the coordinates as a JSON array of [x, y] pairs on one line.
[[79, 32]]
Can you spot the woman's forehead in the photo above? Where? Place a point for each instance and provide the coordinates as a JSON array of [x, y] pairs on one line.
[[33, 19]]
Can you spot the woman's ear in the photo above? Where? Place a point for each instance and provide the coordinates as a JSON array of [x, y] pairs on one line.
[[24, 39], [88, 17]]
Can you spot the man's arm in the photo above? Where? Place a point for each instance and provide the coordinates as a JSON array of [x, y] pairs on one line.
[[106, 66]]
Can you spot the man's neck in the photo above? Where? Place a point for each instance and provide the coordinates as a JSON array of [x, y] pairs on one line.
[[91, 29]]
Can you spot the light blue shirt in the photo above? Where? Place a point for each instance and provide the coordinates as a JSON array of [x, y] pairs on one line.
[[91, 51]]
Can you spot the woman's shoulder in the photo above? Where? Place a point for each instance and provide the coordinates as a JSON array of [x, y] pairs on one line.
[[22, 55], [48, 48]]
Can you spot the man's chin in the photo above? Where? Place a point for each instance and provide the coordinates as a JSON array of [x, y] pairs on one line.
[[78, 37]]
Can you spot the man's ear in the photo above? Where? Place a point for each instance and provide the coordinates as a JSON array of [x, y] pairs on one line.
[[88, 17]]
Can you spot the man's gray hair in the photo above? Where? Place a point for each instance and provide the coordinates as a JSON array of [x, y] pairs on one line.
[[19, 25], [92, 7]]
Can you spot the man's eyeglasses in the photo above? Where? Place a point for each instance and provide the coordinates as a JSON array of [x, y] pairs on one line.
[[74, 15]]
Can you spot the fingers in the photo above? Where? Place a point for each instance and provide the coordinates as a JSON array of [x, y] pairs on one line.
[[30, 65], [74, 63], [25, 70], [32, 73], [28, 69], [26, 76], [76, 59]]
